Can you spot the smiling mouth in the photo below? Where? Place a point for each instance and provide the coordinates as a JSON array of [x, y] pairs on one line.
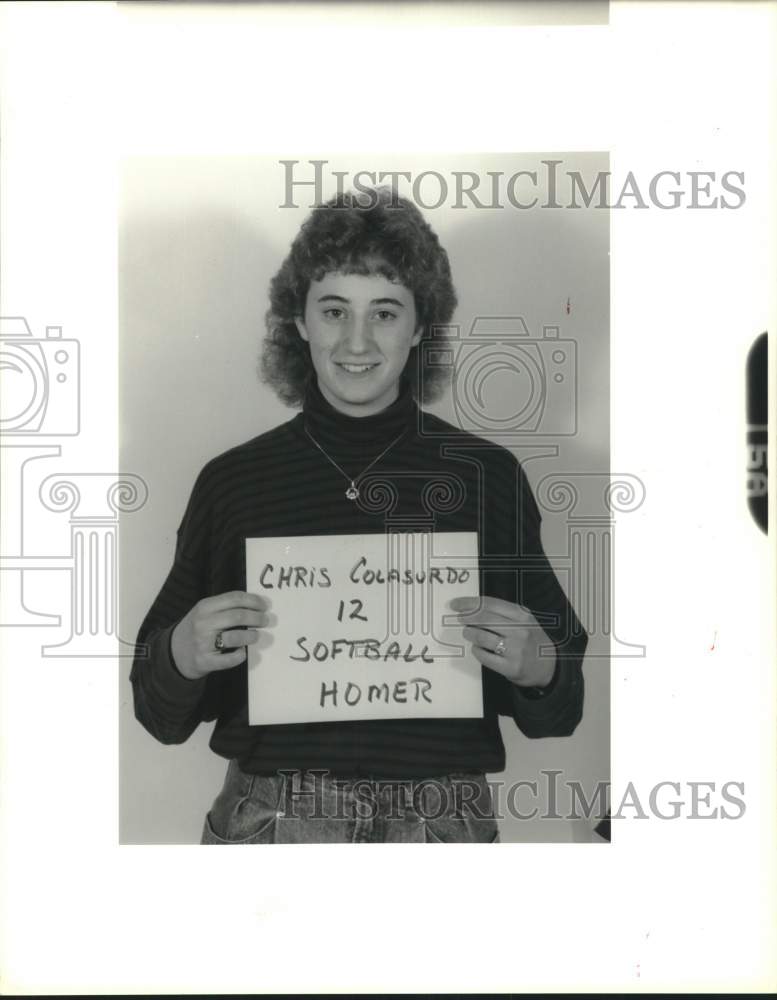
[[356, 369]]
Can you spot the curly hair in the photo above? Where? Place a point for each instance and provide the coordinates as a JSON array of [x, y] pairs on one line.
[[386, 236]]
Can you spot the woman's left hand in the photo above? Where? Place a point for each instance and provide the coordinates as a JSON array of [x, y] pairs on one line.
[[507, 638]]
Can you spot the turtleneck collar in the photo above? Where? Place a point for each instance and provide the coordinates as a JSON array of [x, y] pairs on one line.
[[338, 431]]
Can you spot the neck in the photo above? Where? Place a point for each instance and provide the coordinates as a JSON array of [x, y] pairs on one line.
[[338, 431]]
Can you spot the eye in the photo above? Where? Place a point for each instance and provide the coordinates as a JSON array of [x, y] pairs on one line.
[[334, 312], [385, 315]]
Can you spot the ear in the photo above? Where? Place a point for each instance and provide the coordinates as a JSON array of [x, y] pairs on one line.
[[300, 324], [417, 337]]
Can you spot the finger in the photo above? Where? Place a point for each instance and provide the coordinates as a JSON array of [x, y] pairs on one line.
[[476, 610], [243, 637], [482, 637], [501, 664], [483, 619], [224, 661], [235, 618], [489, 620], [494, 606], [235, 599]]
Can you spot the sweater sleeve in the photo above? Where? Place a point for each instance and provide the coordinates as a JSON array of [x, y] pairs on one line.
[[556, 709], [167, 704]]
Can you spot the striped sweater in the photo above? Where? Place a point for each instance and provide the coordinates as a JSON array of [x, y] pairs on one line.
[[279, 483]]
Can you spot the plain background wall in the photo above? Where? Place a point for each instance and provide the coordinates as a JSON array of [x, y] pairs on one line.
[[200, 238]]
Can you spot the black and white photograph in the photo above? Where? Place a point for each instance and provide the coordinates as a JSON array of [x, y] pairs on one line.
[[360, 591]]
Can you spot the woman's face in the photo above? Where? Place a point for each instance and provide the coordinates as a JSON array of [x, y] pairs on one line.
[[360, 329]]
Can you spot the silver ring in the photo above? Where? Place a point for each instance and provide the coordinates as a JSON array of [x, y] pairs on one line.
[[500, 648], [218, 642]]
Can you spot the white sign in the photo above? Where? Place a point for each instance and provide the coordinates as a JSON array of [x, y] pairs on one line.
[[358, 628]]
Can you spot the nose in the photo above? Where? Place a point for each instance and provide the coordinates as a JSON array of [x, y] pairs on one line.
[[358, 336]]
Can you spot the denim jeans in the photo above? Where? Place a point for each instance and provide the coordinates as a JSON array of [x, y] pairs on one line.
[[314, 807]]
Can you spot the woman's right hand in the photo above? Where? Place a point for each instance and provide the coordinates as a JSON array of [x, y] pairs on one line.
[[237, 615]]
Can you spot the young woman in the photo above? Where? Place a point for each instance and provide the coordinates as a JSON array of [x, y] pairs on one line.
[[352, 308]]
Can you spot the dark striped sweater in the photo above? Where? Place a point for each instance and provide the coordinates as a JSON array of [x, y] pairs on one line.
[[280, 484]]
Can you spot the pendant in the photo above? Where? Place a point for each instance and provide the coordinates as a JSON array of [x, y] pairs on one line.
[[352, 493]]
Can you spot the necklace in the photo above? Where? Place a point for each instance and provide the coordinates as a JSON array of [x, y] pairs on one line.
[[353, 490]]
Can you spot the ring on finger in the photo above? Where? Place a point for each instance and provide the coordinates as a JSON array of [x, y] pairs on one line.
[[218, 642], [500, 648]]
